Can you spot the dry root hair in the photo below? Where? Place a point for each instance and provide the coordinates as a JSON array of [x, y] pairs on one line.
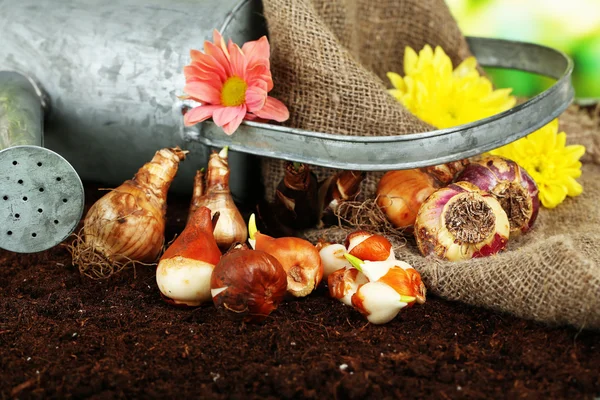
[[366, 215], [95, 265]]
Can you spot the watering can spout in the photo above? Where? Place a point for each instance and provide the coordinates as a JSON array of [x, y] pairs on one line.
[[41, 194]]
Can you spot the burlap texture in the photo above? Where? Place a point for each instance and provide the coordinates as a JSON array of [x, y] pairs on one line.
[[582, 125], [329, 60], [552, 274]]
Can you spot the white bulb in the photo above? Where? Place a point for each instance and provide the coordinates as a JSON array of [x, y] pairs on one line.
[[332, 257], [380, 302], [184, 280]]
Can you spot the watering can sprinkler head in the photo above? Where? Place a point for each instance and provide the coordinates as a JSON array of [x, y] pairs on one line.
[[41, 195]]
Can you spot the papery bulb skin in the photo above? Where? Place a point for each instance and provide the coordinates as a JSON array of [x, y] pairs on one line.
[[460, 222], [445, 173], [231, 227], [406, 282], [128, 223], [339, 188], [216, 195], [368, 246], [296, 197], [332, 258], [401, 193], [298, 257], [248, 285], [512, 186], [184, 270], [198, 192], [344, 283]]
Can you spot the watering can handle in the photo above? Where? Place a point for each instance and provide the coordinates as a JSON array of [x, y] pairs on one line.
[[384, 153], [22, 106]]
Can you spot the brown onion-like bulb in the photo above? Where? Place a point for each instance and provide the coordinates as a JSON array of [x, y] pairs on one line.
[[460, 222], [296, 197], [128, 223], [511, 185], [401, 193], [248, 284], [339, 188], [298, 257], [216, 195], [445, 173]]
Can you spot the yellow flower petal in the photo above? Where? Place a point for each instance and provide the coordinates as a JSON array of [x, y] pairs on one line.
[[410, 61], [573, 187], [396, 81], [425, 57], [396, 93], [465, 68], [574, 151], [552, 195]]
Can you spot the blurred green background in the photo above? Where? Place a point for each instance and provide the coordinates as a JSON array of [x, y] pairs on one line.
[[572, 26]]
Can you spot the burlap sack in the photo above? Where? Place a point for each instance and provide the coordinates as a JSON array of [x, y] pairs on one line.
[[329, 60], [552, 274]]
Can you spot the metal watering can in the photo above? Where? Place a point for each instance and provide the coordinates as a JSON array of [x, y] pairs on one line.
[[97, 83]]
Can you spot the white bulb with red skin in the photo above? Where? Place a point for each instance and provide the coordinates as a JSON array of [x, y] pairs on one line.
[[184, 270], [369, 247], [388, 287]]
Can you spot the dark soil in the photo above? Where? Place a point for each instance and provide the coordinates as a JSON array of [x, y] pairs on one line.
[[65, 336]]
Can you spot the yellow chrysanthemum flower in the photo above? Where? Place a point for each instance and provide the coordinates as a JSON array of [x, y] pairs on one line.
[[443, 97], [551, 164]]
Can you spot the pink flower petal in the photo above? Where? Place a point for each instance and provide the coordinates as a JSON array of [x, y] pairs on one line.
[[224, 115], [198, 114], [191, 71], [238, 61], [252, 117], [195, 73], [219, 41], [255, 98], [259, 75], [273, 109], [205, 64], [233, 125], [269, 82], [203, 92], [195, 54], [257, 51], [219, 56]]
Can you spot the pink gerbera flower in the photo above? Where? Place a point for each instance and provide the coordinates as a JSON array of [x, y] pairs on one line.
[[231, 84]]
